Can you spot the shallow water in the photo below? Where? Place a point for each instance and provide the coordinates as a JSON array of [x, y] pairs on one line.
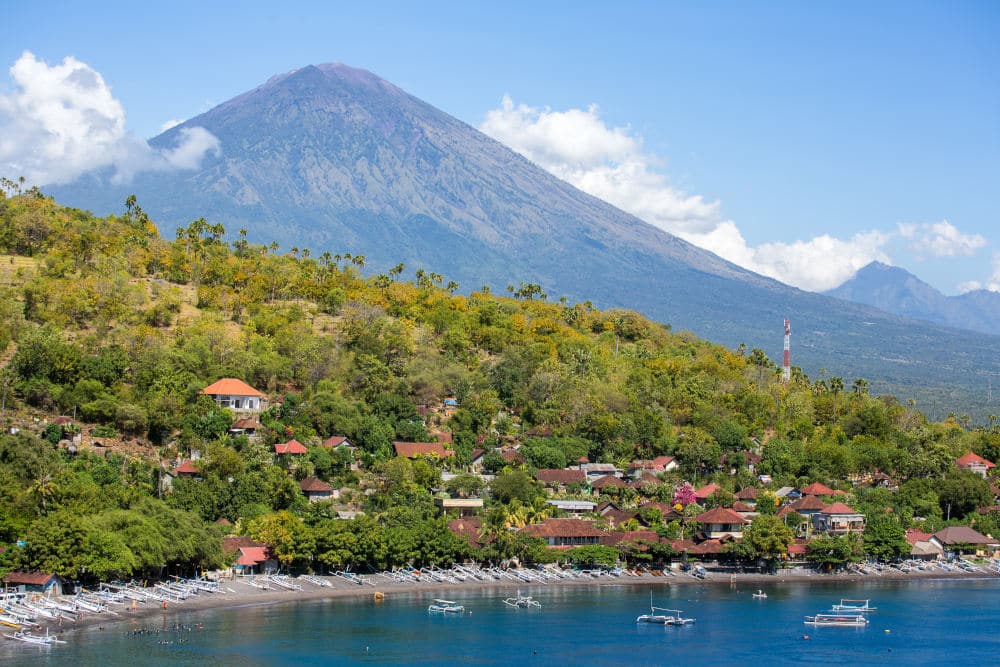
[[917, 623]]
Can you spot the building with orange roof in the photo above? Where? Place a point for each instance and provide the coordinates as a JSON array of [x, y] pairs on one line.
[[838, 518], [291, 447], [721, 521], [235, 394], [975, 463], [412, 450]]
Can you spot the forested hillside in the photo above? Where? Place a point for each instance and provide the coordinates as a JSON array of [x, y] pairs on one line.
[[104, 321]]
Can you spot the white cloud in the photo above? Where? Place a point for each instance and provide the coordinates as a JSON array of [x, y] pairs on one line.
[[969, 286], [173, 122], [994, 282], [610, 163], [817, 265], [62, 121], [940, 239]]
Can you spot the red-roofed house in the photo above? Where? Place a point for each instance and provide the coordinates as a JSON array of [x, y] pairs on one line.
[[656, 465], [962, 539], [807, 505], [292, 447], [245, 426], [797, 550], [607, 482], [337, 441], [315, 489], [187, 469], [975, 463], [235, 394], [704, 492], [412, 450], [838, 518], [559, 478], [511, 455], [565, 533], [722, 521], [817, 489], [248, 554], [467, 528], [921, 545], [33, 582]]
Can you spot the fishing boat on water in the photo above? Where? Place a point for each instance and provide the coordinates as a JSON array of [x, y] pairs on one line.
[[28, 638], [837, 620], [522, 601], [854, 606], [445, 607], [760, 595], [662, 615]]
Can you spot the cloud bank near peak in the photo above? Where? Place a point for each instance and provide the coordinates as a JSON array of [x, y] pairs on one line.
[[611, 164], [62, 121]]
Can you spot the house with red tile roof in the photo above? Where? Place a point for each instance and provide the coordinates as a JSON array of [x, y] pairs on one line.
[[721, 521], [187, 469], [607, 482], [816, 489], [560, 478], [706, 491], [468, 528], [245, 426], [292, 448], [248, 554], [511, 455], [922, 546], [565, 533], [838, 518], [236, 395], [709, 547], [975, 463], [962, 539], [412, 450], [33, 582], [656, 465], [807, 505], [336, 442], [315, 489]]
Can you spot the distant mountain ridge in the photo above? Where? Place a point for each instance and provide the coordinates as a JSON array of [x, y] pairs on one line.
[[336, 159], [898, 291]]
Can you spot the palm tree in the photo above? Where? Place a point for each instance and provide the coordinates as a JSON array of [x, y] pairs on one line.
[[45, 489]]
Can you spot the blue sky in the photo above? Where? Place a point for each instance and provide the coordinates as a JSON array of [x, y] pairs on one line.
[[801, 140]]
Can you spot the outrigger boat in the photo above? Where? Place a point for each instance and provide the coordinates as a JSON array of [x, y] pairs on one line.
[[662, 615], [838, 620], [29, 638], [859, 606], [523, 601], [445, 607]]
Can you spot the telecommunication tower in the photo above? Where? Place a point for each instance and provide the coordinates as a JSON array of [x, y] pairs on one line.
[[786, 359]]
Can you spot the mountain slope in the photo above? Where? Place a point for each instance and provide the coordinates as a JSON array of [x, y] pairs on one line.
[[336, 159], [898, 291]]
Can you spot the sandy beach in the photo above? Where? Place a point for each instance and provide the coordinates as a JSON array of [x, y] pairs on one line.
[[236, 593]]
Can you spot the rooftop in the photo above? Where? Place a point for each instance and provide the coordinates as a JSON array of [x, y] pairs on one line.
[[230, 387]]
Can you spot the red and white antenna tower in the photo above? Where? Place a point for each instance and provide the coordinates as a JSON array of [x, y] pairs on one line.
[[786, 359]]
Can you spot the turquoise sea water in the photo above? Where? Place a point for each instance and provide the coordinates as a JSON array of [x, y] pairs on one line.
[[953, 622]]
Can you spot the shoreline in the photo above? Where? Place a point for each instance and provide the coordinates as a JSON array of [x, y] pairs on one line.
[[237, 594]]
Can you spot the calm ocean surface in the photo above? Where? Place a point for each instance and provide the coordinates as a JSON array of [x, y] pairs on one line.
[[917, 623]]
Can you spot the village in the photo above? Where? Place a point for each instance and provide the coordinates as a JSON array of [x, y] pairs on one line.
[[644, 516]]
